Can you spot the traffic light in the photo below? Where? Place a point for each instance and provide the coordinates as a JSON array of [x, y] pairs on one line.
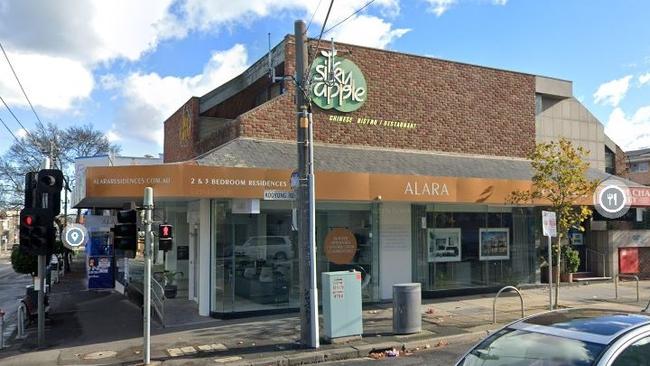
[[125, 232], [37, 232], [49, 183], [30, 189], [165, 237]]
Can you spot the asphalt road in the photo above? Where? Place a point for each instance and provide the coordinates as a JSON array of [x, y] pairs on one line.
[[12, 288], [439, 356]]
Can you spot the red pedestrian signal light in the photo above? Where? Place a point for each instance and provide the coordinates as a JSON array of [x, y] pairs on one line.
[[28, 220], [165, 237]]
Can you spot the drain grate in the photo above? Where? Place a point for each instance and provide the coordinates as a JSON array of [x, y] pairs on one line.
[[99, 355]]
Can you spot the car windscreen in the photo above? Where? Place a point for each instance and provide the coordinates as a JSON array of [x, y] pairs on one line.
[[510, 347]]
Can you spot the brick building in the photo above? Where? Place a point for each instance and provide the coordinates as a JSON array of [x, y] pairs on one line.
[[638, 165], [414, 160]]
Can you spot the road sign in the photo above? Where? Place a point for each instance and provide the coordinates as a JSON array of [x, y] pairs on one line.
[[74, 235], [279, 195], [549, 224]]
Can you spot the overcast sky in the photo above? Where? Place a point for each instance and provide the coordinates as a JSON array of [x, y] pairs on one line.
[[124, 66]]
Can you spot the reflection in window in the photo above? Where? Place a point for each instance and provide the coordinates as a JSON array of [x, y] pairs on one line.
[[637, 354], [516, 347]]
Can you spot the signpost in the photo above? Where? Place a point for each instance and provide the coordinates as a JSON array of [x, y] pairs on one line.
[[549, 229]]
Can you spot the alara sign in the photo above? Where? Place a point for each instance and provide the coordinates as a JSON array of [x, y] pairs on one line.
[[337, 83]]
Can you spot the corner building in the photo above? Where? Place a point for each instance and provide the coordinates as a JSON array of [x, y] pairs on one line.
[[414, 160]]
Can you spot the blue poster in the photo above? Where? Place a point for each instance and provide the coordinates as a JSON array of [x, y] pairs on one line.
[[99, 264]]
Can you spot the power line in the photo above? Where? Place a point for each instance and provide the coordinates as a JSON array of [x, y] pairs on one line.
[[20, 84], [18, 142], [348, 17], [12, 113], [308, 78], [324, 24], [312, 16]]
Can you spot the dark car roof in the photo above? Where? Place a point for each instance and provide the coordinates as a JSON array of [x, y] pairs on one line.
[[589, 325]]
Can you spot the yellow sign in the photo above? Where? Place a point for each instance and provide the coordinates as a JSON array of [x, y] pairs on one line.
[[366, 121], [185, 133]]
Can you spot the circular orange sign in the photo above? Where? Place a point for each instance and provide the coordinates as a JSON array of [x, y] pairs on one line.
[[340, 246]]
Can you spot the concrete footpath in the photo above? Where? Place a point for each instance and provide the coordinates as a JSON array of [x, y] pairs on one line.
[[103, 328]]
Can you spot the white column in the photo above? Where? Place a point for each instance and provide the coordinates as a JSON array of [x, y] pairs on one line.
[[394, 246], [204, 257]]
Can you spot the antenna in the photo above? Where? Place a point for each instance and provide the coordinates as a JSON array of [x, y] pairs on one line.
[[272, 76]]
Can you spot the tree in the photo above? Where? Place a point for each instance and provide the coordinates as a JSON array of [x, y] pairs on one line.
[[559, 180], [62, 145]]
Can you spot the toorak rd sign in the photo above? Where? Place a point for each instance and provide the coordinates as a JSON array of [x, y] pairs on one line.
[[337, 83]]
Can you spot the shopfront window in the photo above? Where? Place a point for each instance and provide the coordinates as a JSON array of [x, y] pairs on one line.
[[255, 260], [346, 241], [465, 246]]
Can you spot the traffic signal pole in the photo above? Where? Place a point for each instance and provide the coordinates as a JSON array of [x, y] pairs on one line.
[[41, 278], [148, 246]]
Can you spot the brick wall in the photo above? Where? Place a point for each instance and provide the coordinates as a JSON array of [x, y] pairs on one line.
[[642, 178], [177, 147], [457, 107]]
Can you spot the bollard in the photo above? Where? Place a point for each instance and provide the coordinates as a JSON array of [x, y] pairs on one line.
[[2, 329], [21, 314]]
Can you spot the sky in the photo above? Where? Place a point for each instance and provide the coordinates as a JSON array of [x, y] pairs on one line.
[[125, 66]]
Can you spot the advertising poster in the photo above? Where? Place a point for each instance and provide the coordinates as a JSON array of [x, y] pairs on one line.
[[99, 261], [444, 245], [494, 244]]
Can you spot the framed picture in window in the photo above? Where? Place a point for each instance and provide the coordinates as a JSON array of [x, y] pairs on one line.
[[577, 239], [444, 245], [494, 244]]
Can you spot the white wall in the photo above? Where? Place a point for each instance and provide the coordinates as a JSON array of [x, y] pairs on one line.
[[394, 246], [204, 257]]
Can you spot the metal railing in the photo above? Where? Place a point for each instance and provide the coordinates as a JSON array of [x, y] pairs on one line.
[[21, 315], [647, 307], [616, 278], [494, 303], [593, 259], [158, 300]]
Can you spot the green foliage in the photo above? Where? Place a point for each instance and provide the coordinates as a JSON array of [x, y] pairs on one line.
[[571, 259], [24, 263], [560, 181]]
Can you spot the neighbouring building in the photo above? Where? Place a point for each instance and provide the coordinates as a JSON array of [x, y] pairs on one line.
[[414, 156], [638, 165], [9, 226]]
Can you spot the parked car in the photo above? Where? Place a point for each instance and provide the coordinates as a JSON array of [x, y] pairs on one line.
[[570, 337], [266, 247]]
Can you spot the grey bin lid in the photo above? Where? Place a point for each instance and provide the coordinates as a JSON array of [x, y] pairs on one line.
[[406, 287]]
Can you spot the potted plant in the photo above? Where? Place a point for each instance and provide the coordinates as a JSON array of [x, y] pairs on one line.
[[170, 284], [571, 262]]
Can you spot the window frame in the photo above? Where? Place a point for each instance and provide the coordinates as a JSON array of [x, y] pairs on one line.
[[615, 350]]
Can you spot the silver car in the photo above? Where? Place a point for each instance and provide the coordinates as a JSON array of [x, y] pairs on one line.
[[572, 337]]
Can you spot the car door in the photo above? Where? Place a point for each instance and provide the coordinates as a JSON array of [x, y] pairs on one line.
[[634, 352]]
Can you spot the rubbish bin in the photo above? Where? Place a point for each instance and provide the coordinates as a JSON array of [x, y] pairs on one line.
[[407, 317]]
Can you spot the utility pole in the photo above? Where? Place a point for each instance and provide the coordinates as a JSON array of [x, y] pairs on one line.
[[306, 203], [148, 207]]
